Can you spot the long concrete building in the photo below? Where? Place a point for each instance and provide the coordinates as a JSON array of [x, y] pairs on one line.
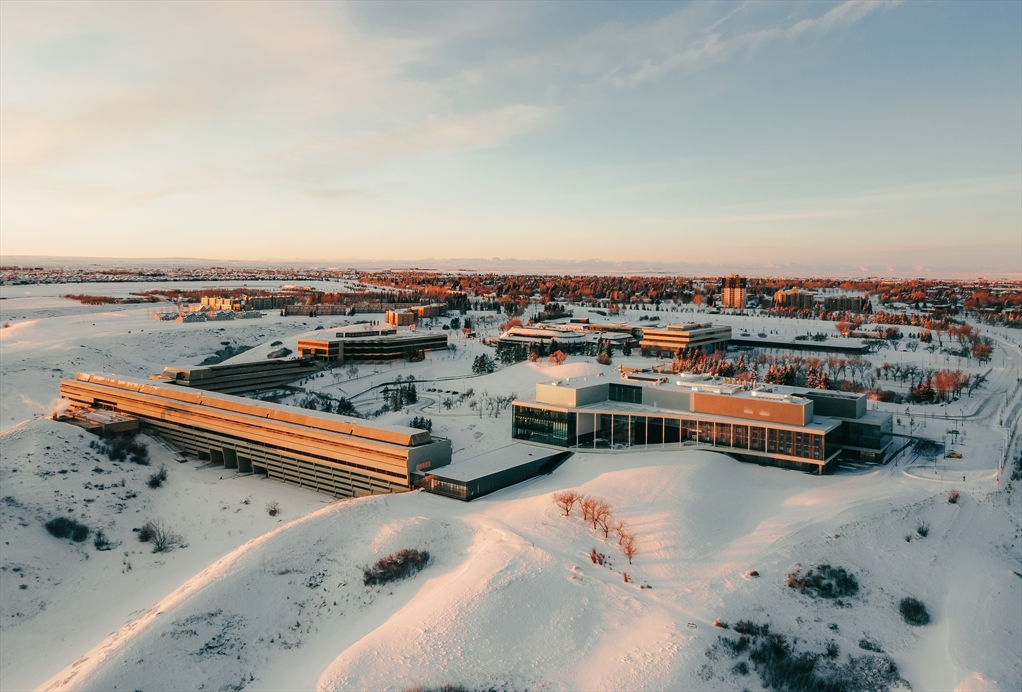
[[341, 456], [802, 429], [364, 343], [235, 378]]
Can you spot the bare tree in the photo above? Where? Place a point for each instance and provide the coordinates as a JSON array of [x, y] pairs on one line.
[[586, 504], [566, 501], [628, 546], [600, 516]]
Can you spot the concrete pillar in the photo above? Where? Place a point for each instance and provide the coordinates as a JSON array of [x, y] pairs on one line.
[[230, 458], [244, 464]]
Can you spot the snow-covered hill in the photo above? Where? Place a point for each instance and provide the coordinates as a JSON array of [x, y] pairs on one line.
[[511, 599]]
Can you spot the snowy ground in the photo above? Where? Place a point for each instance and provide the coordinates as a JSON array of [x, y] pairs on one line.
[[510, 599]]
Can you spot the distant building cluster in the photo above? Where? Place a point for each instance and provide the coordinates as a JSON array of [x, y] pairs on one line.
[[245, 303], [412, 315], [807, 300], [795, 298], [205, 315]]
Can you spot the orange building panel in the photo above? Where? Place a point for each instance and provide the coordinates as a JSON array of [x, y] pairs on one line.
[[795, 412]]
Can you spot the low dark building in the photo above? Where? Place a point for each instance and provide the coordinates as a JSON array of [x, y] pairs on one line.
[[487, 473]]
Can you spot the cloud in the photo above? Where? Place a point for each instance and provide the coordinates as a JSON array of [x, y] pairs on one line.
[[846, 13], [691, 39], [39, 138]]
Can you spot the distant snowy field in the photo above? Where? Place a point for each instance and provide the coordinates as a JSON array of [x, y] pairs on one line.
[[510, 599]]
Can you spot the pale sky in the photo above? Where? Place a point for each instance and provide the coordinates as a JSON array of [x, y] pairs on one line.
[[862, 135]]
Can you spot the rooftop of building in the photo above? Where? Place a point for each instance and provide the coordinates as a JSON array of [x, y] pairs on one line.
[[362, 331], [320, 420], [542, 332], [495, 461], [687, 327], [696, 383]]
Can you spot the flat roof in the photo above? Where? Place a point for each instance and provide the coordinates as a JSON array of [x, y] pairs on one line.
[[369, 337], [319, 420], [686, 328], [502, 459], [818, 424], [692, 383]]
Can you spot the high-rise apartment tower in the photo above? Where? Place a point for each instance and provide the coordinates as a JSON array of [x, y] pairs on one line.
[[732, 292]]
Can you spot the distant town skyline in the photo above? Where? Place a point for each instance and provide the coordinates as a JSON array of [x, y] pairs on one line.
[[873, 138]]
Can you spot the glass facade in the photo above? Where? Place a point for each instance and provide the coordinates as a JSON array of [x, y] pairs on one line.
[[867, 434], [541, 425], [626, 392], [622, 431]]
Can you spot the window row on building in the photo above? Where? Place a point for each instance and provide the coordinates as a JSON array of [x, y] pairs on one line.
[[609, 430]]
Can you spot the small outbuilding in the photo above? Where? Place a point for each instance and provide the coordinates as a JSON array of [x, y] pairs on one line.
[[492, 471]]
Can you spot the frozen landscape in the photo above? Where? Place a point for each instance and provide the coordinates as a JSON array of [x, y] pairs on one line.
[[505, 346], [513, 596]]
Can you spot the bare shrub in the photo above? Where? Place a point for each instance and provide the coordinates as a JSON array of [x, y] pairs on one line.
[[780, 666], [824, 581], [721, 624], [273, 508], [100, 542], [923, 529], [146, 531], [952, 497], [566, 501], [163, 540], [913, 612], [597, 557], [123, 447], [868, 645], [64, 527], [156, 479], [396, 566]]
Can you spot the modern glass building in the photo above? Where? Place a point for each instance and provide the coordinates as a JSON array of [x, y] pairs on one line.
[[644, 411]]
